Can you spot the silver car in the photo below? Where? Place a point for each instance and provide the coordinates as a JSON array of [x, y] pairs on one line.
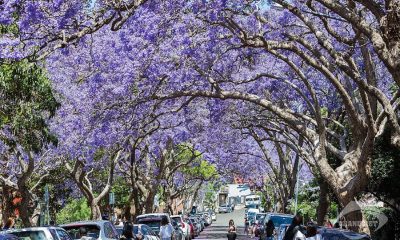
[[40, 233], [101, 229]]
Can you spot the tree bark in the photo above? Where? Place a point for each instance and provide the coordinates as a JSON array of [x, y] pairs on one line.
[[323, 203], [95, 212]]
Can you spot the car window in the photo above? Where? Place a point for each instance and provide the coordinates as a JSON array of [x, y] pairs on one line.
[[144, 230], [30, 235], [63, 235], [78, 231], [109, 231]]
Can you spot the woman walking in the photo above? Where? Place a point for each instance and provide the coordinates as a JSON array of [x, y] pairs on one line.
[[166, 229], [231, 230]]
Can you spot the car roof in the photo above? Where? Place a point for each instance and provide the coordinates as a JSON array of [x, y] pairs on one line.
[[81, 223], [31, 229], [176, 216], [153, 214], [280, 214]]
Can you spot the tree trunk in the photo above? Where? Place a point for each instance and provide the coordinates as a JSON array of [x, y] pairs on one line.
[[149, 204], [323, 203], [351, 215], [95, 213], [23, 208], [6, 201]]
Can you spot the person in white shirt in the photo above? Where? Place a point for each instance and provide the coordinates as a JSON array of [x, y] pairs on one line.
[[166, 229]]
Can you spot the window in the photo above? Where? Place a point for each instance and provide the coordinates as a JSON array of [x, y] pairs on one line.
[[145, 230], [109, 231], [63, 235]]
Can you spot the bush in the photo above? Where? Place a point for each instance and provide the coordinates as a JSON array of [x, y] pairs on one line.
[[75, 210]]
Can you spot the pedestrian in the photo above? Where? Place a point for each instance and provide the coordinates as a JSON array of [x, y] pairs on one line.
[[327, 222], [295, 230], [312, 233], [166, 229], [246, 226], [231, 230], [127, 231], [9, 223], [269, 230]]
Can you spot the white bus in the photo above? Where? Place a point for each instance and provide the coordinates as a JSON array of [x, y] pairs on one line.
[[252, 200]]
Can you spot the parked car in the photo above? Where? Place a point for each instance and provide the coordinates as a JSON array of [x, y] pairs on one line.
[[182, 225], [141, 229], [282, 230], [259, 220], [224, 209], [7, 236], [343, 234], [153, 220], [194, 232], [197, 224], [39, 233], [101, 229], [251, 214], [278, 219], [213, 216]]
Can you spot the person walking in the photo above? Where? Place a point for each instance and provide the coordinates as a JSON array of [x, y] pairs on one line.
[[127, 231], [295, 230], [246, 226], [269, 230], [231, 230], [166, 229]]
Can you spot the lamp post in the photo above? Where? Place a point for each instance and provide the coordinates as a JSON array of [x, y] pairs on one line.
[[297, 186]]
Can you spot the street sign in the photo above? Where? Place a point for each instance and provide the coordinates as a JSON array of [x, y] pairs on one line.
[[111, 198]]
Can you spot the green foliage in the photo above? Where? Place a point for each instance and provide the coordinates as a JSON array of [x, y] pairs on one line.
[[385, 170], [308, 200], [387, 231], [121, 191], [75, 210], [26, 101]]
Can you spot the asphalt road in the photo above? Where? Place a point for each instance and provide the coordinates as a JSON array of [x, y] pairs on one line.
[[219, 228]]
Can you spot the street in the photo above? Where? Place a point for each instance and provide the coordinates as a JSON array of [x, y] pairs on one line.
[[219, 228]]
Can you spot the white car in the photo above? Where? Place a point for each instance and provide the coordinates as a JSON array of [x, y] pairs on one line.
[[182, 225], [39, 233], [213, 216]]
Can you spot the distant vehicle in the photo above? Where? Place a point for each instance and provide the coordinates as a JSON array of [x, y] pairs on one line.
[[224, 209], [92, 229], [251, 215], [206, 217], [153, 220], [252, 200], [39, 233], [195, 231], [213, 216], [141, 229], [259, 226], [197, 224], [184, 226]]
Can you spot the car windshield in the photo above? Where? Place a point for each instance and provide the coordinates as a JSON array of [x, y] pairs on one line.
[[30, 235], [79, 231], [251, 214], [253, 206], [278, 220], [260, 216], [135, 230], [152, 223]]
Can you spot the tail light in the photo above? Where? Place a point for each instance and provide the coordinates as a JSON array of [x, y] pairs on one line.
[[182, 225]]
